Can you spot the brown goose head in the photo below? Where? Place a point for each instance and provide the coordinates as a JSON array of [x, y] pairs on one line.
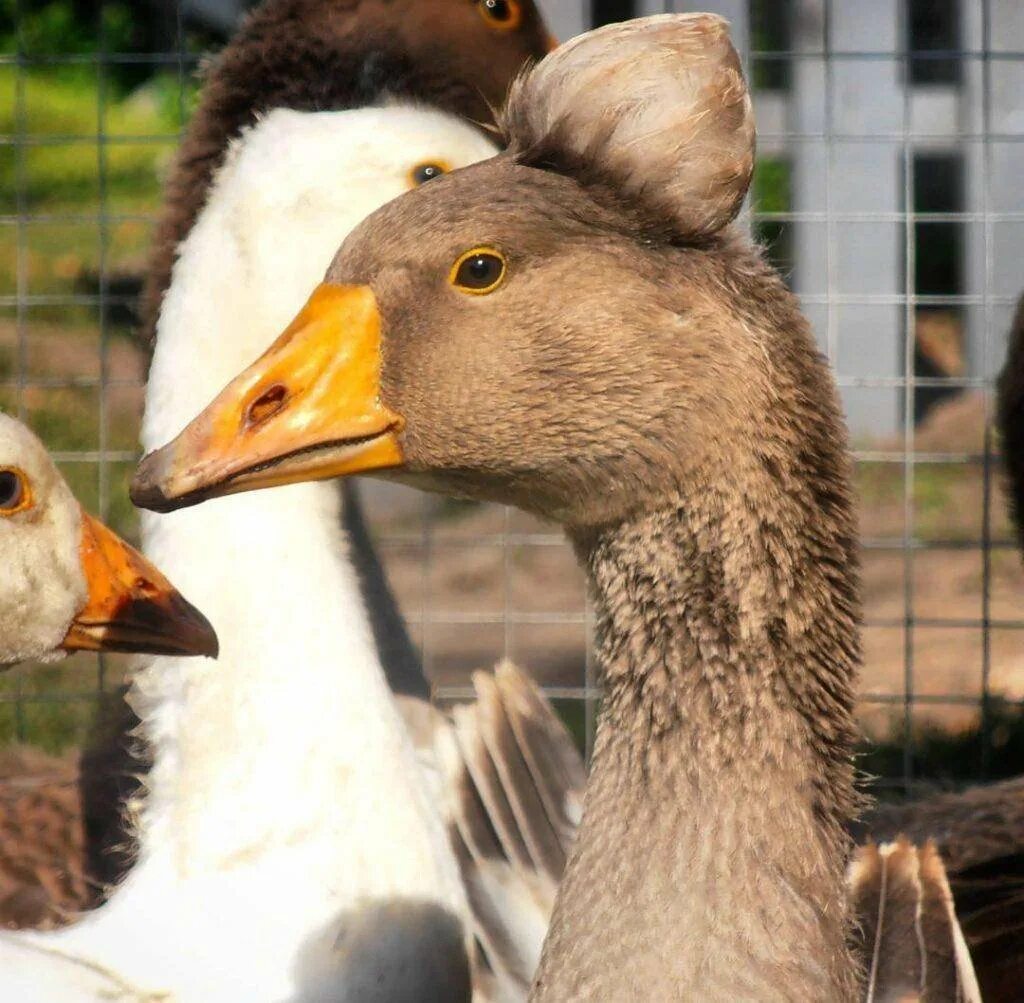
[[557, 327]]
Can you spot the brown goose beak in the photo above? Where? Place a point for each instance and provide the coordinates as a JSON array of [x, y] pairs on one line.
[[131, 606], [308, 409]]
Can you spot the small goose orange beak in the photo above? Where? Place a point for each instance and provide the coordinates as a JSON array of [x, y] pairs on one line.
[[131, 606], [308, 409]]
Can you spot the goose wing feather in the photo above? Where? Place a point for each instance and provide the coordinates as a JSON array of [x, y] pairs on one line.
[[980, 836], [912, 943], [513, 779], [970, 827]]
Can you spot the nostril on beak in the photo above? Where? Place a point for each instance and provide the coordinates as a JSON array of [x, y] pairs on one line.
[[266, 405]]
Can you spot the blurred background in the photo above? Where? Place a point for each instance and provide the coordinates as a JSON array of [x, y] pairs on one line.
[[888, 191]]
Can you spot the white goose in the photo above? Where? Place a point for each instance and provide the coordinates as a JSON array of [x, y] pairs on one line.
[[291, 844]]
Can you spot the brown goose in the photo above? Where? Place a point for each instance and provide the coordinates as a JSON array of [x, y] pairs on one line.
[[64, 837], [573, 327]]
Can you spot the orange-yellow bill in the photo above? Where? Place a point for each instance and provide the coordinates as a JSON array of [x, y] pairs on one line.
[[131, 606], [308, 409]]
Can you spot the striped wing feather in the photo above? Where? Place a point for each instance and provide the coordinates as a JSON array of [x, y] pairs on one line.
[[912, 944]]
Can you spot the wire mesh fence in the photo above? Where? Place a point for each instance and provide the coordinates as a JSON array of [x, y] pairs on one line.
[[891, 144]]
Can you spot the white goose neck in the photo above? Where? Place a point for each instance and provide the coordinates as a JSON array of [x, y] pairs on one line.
[[297, 702]]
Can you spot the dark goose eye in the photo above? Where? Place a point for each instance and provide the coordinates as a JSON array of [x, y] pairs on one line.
[[422, 173], [501, 14], [13, 491], [478, 271]]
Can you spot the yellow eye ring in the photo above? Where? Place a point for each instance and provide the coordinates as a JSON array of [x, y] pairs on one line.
[[427, 171], [478, 271], [15, 493], [502, 15]]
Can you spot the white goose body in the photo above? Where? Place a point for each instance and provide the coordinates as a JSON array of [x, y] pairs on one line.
[[290, 848]]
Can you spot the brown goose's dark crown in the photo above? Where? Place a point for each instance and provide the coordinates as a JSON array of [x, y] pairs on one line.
[[329, 55]]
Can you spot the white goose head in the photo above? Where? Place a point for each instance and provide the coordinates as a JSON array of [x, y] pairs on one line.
[[69, 583]]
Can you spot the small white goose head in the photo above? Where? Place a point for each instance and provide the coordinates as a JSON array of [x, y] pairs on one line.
[[69, 583]]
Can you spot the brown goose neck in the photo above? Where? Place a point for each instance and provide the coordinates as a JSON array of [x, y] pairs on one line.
[[723, 610], [722, 778]]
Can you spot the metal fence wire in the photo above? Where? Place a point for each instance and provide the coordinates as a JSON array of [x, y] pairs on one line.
[[888, 190]]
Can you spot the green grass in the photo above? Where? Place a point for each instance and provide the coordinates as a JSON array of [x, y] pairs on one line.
[[52, 724], [64, 102], [80, 177]]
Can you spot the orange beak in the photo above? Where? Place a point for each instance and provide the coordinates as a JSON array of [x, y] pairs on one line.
[[308, 409], [131, 606]]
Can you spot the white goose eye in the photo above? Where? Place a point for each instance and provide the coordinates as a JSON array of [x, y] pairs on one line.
[[14, 491], [427, 171]]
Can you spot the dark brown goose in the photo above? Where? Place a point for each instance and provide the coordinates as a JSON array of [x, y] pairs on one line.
[[574, 328]]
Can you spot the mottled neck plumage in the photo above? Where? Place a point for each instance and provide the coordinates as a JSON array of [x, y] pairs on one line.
[[711, 857]]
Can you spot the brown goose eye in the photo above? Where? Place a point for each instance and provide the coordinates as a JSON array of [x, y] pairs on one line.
[[14, 493], [478, 271], [422, 173], [501, 14]]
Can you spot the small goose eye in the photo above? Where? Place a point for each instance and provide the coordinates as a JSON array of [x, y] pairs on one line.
[[14, 492], [422, 173], [478, 271], [501, 14]]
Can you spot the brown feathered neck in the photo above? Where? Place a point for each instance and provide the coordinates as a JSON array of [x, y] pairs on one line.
[[729, 614], [728, 644]]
